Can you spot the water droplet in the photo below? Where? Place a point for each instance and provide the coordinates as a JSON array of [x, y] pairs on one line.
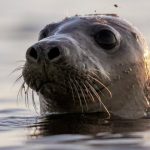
[[130, 69]]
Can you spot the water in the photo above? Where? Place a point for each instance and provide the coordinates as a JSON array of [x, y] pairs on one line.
[[23, 128]]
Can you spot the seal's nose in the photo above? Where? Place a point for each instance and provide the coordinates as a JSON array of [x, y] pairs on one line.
[[32, 54], [53, 53], [39, 51]]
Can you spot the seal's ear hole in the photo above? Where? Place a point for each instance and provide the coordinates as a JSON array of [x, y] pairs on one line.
[[106, 39], [53, 53]]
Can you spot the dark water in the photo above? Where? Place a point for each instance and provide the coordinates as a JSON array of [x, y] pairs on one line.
[[71, 132], [24, 129]]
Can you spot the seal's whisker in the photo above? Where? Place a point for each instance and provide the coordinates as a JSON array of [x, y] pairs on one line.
[[46, 104], [18, 79], [33, 100], [27, 97], [109, 92], [98, 83], [98, 97], [94, 92], [32, 93], [88, 91], [82, 93], [97, 70], [16, 69], [72, 90], [20, 91], [79, 98]]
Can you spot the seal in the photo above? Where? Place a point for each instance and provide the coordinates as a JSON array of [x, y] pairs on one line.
[[92, 63]]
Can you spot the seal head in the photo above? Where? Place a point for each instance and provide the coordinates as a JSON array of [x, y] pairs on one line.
[[89, 64]]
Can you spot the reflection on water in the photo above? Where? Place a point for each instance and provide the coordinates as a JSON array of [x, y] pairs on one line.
[[86, 124], [89, 130], [75, 132], [20, 128]]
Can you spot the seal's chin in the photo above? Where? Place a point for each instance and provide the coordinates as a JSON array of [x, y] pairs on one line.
[[54, 91]]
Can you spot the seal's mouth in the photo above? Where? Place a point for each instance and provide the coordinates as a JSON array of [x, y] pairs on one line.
[[42, 85], [48, 83]]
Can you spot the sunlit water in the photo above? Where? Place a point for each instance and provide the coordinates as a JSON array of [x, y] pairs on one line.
[[23, 128]]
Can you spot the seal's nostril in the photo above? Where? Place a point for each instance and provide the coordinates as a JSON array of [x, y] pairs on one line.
[[53, 53], [33, 53]]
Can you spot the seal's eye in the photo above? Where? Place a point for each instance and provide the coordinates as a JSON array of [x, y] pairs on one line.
[[106, 39]]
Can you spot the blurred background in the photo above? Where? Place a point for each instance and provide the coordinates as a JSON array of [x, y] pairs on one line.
[[21, 21]]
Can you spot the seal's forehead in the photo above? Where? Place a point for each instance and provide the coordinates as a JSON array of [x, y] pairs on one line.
[[66, 25], [84, 22]]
